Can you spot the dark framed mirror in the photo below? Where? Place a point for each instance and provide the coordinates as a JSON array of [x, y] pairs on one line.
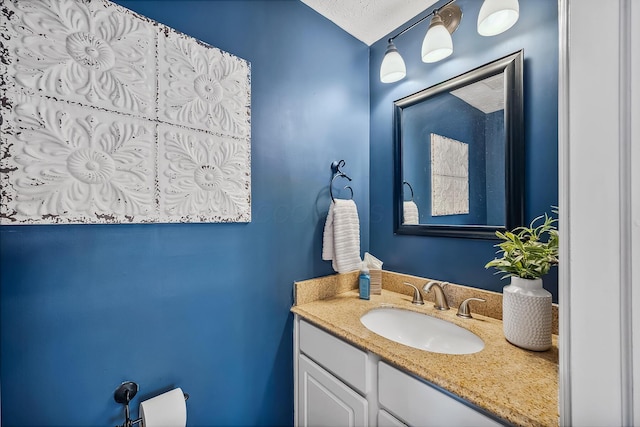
[[459, 154]]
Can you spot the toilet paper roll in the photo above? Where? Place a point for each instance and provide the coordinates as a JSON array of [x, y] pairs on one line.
[[166, 410]]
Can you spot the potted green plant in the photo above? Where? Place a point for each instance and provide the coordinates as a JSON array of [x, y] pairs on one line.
[[527, 254]]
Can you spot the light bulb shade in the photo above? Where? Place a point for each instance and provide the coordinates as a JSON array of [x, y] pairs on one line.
[[392, 68], [437, 43], [497, 16]]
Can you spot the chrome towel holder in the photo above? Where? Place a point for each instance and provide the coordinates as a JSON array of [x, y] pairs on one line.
[[123, 394], [337, 173]]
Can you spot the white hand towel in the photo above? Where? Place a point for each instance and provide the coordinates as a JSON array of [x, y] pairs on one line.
[[341, 237], [410, 214]]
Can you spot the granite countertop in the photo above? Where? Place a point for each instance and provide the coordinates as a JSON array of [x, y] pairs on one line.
[[517, 385]]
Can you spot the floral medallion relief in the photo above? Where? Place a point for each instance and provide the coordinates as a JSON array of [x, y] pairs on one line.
[[203, 87], [204, 177], [79, 166], [85, 52]]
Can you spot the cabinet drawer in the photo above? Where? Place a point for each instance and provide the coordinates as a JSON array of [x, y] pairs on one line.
[[343, 360], [419, 404]]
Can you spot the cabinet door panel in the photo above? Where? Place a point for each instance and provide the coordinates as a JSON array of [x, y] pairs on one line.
[[326, 401]]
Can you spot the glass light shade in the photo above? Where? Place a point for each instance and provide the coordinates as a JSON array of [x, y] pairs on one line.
[[437, 43], [497, 16], [392, 68]]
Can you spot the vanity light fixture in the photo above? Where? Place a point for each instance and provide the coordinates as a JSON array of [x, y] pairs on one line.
[[497, 16], [437, 42], [392, 68]]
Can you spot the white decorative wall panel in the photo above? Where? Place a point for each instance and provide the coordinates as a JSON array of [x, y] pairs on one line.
[[108, 117], [87, 52], [202, 176], [449, 176], [202, 87], [78, 164]]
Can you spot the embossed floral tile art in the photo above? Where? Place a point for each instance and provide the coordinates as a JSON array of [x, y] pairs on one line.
[[109, 117], [449, 176]]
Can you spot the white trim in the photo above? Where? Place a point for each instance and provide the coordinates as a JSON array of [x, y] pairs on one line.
[[593, 194], [624, 153], [564, 290], [296, 354], [634, 128]]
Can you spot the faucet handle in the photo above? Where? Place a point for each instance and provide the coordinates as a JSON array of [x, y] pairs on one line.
[[464, 310], [417, 296]]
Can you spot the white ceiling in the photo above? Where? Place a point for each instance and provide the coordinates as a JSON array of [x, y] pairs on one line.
[[369, 20]]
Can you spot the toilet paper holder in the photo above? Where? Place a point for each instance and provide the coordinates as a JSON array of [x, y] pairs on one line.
[[123, 394]]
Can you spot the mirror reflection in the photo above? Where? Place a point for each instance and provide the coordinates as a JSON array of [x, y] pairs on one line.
[[457, 143]]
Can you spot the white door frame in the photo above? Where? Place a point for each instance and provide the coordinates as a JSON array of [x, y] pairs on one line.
[[599, 200]]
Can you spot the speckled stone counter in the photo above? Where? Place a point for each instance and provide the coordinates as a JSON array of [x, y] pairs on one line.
[[517, 385]]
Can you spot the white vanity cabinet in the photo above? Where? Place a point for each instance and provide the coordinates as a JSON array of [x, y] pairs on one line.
[[337, 384]]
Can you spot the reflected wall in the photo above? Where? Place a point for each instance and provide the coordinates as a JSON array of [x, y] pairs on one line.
[[483, 134]]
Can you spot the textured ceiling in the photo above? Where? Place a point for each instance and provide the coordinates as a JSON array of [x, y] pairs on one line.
[[369, 20], [486, 95]]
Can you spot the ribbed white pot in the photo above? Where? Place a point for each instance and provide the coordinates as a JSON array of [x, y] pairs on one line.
[[526, 314]]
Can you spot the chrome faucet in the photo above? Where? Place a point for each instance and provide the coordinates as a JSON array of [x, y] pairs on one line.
[[441, 299], [417, 296]]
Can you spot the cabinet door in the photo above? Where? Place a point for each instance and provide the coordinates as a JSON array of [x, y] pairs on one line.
[[325, 401], [385, 419]]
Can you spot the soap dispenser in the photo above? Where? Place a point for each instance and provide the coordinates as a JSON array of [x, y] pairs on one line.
[[365, 281]]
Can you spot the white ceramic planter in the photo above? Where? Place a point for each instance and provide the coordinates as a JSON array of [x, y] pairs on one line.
[[526, 314]]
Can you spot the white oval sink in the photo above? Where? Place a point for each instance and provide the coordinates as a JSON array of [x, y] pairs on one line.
[[421, 331]]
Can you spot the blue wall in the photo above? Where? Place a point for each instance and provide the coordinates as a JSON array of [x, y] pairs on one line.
[[419, 122], [454, 259], [201, 306], [495, 167]]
